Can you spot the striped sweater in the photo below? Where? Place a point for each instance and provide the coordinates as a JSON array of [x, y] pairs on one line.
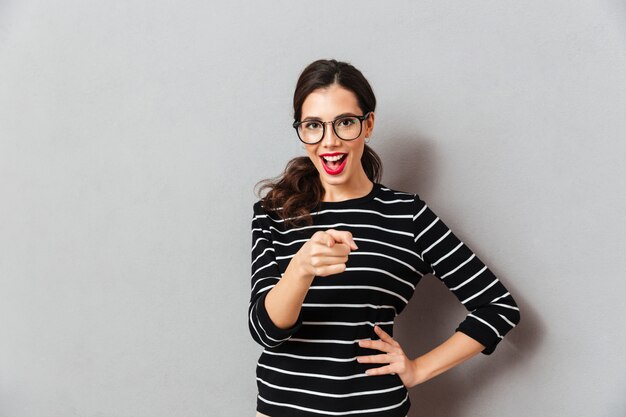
[[311, 368]]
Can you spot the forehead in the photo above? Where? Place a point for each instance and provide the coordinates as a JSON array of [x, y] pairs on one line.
[[330, 101]]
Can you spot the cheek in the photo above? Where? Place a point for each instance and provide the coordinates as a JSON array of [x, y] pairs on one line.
[[357, 151], [312, 155]]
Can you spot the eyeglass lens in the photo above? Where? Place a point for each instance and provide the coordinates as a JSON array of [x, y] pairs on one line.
[[346, 128]]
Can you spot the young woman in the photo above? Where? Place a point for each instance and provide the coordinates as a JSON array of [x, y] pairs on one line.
[[336, 257]]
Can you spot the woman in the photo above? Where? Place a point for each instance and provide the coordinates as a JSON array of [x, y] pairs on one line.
[[336, 256]]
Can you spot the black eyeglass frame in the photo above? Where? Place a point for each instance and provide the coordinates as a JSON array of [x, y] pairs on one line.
[[296, 124]]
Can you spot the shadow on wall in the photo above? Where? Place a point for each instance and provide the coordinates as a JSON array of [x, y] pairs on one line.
[[429, 319], [434, 313]]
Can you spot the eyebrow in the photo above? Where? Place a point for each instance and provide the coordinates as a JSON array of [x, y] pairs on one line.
[[309, 118]]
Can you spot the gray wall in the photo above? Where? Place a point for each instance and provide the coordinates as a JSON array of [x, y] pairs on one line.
[[131, 136]]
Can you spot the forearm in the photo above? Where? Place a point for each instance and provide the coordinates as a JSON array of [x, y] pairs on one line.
[[284, 301], [457, 349]]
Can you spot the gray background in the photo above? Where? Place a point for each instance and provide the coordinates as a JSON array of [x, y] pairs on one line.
[[131, 136]]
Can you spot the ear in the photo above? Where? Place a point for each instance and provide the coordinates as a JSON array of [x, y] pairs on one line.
[[369, 124]]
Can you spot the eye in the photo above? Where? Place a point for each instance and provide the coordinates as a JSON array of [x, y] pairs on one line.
[[311, 125], [346, 121]]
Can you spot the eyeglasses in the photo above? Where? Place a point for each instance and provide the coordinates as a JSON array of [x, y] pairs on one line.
[[345, 127]]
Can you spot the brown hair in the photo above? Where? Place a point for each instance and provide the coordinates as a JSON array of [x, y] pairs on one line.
[[298, 190]]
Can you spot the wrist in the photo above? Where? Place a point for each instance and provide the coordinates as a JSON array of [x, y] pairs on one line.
[[422, 370], [299, 270]]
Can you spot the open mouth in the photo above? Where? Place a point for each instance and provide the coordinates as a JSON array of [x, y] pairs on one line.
[[334, 164]]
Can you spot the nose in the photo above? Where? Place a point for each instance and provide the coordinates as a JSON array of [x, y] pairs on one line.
[[330, 138]]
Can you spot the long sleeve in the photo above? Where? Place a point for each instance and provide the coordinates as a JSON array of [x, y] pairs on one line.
[[265, 274], [492, 309]]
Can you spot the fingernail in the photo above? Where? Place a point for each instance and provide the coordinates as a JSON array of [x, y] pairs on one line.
[[354, 244]]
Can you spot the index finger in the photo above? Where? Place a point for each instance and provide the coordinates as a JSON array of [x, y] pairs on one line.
[[343, 236], [384, 336]]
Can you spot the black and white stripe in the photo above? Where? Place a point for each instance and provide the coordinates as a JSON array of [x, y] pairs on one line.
[[311, 369]]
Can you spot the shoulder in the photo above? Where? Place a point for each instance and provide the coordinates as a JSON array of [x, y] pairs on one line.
[[259, 215], [402, 201], [264, 217], [257, 207], [391, 194], [388, 192]]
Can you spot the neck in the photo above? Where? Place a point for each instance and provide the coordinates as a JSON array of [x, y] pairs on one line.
[[360, 187]]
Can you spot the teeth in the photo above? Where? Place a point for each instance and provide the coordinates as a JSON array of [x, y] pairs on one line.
[[332, 158]]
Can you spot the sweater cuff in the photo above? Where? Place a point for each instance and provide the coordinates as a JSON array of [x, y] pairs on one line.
[[275, 333], [481, 333]]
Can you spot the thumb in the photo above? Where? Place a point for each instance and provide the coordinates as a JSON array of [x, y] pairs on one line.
[[329, 239]]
